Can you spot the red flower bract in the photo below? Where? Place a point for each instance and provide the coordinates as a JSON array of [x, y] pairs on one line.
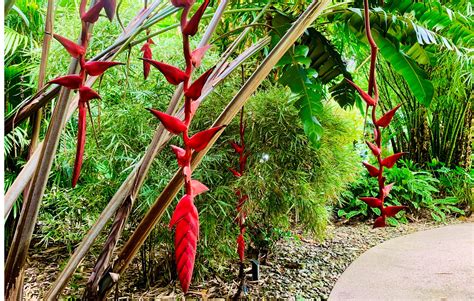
[[194, 91], [72, 81], [373, 171], [173, 75], [74, 49], [96, 68], [372, 202], [390, 161], [186, 220], [198, 54], [171, 123], [86, 94], [92, 15], [192, 25], [366, 97], [385, 120], [200, 140]]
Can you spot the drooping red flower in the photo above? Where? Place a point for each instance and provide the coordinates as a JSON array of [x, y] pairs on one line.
[[86, 94], [374, 148], [72, 81], [386, 189], [96, 68], [173, 75], [390, 161], [180, 155], [366, 97], [92, 15], [171, 123], [198, 187], [198, 54], [186, 220], [392, 210], [192, 25], [109, 7], [372, 202], [147, 54], [74, 49], [385, 120], [194, 91], [235, 172], [200, 140], [380, 222], [238, 149], [373, 171]]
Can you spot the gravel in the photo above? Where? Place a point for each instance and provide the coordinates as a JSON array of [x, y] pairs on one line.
[[297, 268]]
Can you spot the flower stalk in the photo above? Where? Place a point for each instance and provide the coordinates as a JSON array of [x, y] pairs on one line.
[[371, 99]]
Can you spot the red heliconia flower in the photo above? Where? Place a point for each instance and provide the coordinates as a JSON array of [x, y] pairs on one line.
[[186, 220], [192, 25], [180, 155], [372, 202], [392, 210], [173, 75], [386, 190], [241, 202], [92, 15], [109, 7], [390, 161], [198, 54], [182, 3], [81, 141], [200, 140], [72, 81], [376, 135], [241, 247], [171, 123], [373, 171], [385, 120], [194, 91], [380, 222], [198, 187], [74, 49], [96, 68], [146, 55], [238, 149], [235, 172], [374, 148], [365, 96], [86, 94]]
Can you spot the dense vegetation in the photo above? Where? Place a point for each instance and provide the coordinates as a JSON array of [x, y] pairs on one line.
[[305, 125]]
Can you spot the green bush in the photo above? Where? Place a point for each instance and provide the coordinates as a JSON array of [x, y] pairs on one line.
[[418, 189]]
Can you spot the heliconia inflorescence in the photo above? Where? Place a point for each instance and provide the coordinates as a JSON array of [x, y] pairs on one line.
[[371, 99], [239, 148], [185, 218], [90, 68]]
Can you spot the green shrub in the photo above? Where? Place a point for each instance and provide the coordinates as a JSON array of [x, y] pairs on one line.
[[418, 189]]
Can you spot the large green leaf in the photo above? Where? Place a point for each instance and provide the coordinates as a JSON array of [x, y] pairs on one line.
[[416, 78], [307, 97]]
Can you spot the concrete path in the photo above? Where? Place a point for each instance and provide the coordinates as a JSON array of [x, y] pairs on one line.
[[437, 264]]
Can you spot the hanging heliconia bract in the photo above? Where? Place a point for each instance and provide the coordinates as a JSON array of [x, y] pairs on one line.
[[76, 82], [371, 99], [239, 148], [185, 218]]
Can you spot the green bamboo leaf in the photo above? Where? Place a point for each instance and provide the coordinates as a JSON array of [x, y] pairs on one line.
[[416, 78]]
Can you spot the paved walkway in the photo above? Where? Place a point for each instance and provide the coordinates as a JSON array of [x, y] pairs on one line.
[[436, 264]]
